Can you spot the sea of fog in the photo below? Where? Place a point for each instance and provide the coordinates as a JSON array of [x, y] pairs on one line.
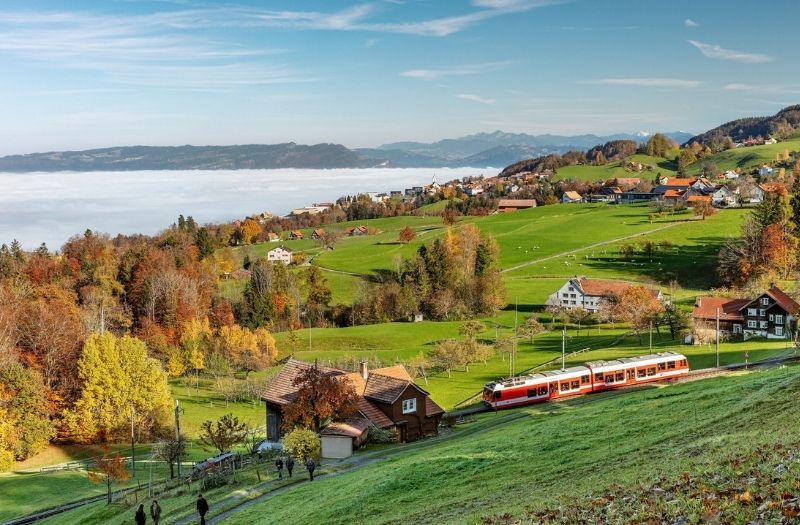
[[51, 207]]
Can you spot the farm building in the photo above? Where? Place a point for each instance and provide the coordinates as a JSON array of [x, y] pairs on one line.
[[273, 237], [581, 292], [296, 235], [387, 399], [570, 197], [772, 314], [317, 233], [280, 254], [506, 205]]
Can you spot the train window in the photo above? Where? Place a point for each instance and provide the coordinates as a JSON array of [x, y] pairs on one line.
[[576, 385], [531, 392], [598, 376], [584, 380], [662, 366], [609, 379], [640, 372], [542, 390], [497, 394], [683, 362], [671, 365], [564, 387], [620, 376], [651, 371]]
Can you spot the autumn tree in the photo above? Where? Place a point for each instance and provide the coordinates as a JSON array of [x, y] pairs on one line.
[[419, 367], [504, 346], [321, 396], [249, 231], [246, 350], [330, 237], [303, 444], [638, 306], [108, 469], [169, 451], [407, 235], [531, 328], [703, 209], [25, 426], [318, 293], [449, 216], [447, 355], [223, 434], [116, 375]]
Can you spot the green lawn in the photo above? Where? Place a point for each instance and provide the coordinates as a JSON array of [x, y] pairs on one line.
[[549, 453]]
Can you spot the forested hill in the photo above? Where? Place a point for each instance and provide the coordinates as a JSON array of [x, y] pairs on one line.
[[780, 125], [254, 156]]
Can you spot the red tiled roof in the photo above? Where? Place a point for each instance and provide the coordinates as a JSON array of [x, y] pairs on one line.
[[516, 203], [601, 287], [354, 427], [673, 193], [319, 232], [396, 371], [431, 408], [729, 309], [373, 413], [783, 300], [674, 181], [628, 180], [282, 390], [699, 198]]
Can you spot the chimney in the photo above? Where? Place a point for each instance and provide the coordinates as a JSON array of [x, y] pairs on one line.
[[363, 370]]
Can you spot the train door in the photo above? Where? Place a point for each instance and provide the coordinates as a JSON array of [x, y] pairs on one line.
[[553, 390], [630, 375]]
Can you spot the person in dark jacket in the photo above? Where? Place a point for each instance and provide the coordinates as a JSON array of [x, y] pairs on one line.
[[310, 466], [155, 512], [279, 466], [202, 508], [141, 517], [289, 465]]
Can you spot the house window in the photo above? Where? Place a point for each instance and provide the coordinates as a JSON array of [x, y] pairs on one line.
[[771, 317], [564, 301], [751, 311], [752, 324], [409, 405], [779, 330], [778, 319], [737, 329], [762, 313], [764, 324], [571, 289], [765, 301]]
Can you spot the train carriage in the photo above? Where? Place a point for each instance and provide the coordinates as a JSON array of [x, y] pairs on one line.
[[594, 376]]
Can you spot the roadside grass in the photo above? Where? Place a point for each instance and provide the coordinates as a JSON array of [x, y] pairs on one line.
[[554, 452]]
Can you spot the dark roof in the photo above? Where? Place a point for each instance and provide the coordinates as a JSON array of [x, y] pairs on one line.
[[354, 427], [281, 390], [384, 388], [431, 408]]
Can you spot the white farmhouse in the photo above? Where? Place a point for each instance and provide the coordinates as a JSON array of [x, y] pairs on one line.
[[581, 292], [280, 254]]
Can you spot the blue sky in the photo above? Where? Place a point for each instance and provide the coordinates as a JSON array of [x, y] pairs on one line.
[[83, 74]]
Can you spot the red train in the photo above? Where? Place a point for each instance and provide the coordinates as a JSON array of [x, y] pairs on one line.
[[594, 376]]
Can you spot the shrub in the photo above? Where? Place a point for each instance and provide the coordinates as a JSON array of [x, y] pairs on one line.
[[302, 444], [381, 435]]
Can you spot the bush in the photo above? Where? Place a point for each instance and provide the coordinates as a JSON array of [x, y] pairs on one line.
[[381, 435], [302, 444]]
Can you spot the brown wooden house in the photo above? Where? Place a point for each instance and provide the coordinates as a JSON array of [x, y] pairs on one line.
[[387, 398]]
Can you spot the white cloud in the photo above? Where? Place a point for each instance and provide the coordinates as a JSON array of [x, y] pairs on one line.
[[455, 71], [763, 88], [718, 52], [475, 98], [647, 82], [690, 23]]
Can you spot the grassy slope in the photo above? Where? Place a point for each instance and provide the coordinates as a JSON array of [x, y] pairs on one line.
[[614, 170], [746, 157], [554, 451]]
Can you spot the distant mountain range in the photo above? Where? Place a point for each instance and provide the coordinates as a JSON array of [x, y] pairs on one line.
[[481, 150]]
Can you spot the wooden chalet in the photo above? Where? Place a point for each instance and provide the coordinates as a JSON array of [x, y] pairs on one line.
[[296, 235], [773, 315], [387, 399], [317, 233]]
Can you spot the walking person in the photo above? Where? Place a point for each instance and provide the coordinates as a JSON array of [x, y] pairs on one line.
[[289, 465], [310, 466], [279, 466], [141, 517], [155, 512], [202, 508]]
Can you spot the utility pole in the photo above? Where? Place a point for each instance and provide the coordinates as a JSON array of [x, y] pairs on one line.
[[564, 348], [717, 337], [133, 442], [651, 336], [178, 433], [514, 346]]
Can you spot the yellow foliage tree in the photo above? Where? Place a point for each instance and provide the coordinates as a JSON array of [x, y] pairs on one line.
[[117, 376], [250, 231], [247, 350], [195, 338]]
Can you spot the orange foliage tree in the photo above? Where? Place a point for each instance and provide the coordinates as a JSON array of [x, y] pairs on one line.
[[320, 396], [638, 306], [109, 469]]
